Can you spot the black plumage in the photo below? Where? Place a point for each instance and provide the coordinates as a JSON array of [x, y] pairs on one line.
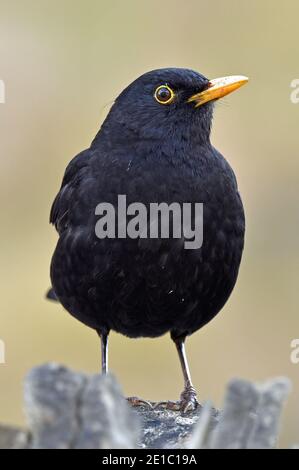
[[150, 152]]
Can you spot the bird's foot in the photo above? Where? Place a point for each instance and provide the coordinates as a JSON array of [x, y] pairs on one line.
[[135, 402], [167, 405], [188, 402]]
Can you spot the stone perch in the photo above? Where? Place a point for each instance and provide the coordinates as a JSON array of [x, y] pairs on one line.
[[69, 410]]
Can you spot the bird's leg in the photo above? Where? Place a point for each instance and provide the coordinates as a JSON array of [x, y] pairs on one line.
[[104, 349], [188, 399], [134, 401]]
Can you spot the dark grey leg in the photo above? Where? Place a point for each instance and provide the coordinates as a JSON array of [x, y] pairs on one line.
[[104, 349], [188, 400], [188, 396], [134, 401]]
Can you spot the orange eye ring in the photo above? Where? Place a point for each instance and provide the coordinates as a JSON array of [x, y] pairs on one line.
[[164, 94]]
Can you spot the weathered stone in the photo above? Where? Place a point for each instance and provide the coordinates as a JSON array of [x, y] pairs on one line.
[[250, 415], [52, 397], [273, 396], [201, 435], [72, 410], [238, 416], [13, 438], [169, 429], [106, 420]]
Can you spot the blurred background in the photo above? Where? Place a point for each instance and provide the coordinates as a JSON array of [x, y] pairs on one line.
[[63, 63]]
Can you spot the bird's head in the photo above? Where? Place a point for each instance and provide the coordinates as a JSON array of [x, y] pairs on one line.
[[168, 103]]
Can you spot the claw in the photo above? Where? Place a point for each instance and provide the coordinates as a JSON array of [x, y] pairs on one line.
[[135, 402], [189, 400], [167, 405], [186, 404], [189, 406], [183, 406]]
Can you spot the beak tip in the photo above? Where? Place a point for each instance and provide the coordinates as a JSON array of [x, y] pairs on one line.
[[244, 79], [219, 88]]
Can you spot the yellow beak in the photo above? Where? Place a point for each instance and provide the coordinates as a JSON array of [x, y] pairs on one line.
[[218, 88]]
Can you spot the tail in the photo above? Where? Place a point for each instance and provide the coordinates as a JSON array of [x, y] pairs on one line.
[[50, 295]]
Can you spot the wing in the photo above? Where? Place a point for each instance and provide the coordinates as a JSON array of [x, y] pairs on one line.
[[63, 200], [50, 295]]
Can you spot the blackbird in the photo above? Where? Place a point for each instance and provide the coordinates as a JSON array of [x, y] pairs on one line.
[[153, 147]]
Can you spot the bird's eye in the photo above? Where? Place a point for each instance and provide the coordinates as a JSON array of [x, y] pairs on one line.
[[164, 94]]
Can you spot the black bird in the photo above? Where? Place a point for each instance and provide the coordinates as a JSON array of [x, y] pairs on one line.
[[153, 147]]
